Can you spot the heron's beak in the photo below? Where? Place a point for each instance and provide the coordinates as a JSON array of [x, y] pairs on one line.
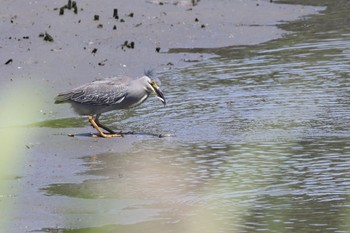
[[160, 95]]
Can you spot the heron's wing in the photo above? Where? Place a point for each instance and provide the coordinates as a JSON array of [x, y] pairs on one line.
[[103, 92]]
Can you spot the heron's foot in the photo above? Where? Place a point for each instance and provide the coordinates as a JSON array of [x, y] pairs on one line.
[[106, 135], [100, 132]]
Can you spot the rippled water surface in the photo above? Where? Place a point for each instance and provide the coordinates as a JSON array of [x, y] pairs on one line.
[[262, 144]]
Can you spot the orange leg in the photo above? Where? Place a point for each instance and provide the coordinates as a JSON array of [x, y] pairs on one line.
[[101, 133]]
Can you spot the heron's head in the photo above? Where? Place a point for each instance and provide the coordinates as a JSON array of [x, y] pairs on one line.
[[152, 86]]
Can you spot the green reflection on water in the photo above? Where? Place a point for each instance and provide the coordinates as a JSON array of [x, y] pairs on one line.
[[274, 186], [61, 123]]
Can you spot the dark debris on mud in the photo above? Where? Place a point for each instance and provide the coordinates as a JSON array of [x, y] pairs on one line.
[[71, 5]]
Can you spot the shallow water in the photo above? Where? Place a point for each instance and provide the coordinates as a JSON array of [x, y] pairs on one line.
[[262, 144]]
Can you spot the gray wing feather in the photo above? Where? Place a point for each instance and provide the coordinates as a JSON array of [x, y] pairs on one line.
[[103, 92]]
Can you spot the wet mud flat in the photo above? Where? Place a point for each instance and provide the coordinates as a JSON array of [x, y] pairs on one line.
[[48, 47], [92, 40]]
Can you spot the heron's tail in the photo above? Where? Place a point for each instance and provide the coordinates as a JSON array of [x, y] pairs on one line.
[[62, 98]]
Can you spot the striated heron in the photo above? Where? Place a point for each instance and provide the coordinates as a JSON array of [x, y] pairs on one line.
[[121, 92]]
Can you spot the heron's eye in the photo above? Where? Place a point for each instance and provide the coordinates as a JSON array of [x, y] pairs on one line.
[[153, 84]]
